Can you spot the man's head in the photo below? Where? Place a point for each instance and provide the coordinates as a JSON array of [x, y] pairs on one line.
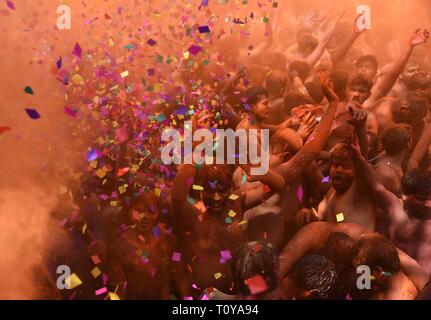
[[255, 268], [337, 248], [257, 98], [341, 169], [307, 42], [144, 211], [301, 68], [314, 277], [420, 83], [359, 89], [410, 110], [417, 193], [366, 66], [379, 254], [340, 79], [216, 181], [276, 83], [410, 70], [397, 139]]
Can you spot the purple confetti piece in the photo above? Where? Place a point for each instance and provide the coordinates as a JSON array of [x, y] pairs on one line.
[[226, 255], [176, 256], [59, 63], [300, 193], [32, 113], [120, 10], [204, 3], [104, 279], [150, 72], [325, 179], [77, 51], [156, 231], [204, 29], [10, 5], [70, 112], [92, 155], [194, 50], [152, 42]]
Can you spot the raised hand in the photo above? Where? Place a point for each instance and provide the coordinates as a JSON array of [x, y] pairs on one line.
[[419, 37], [328, 87], [307, 125], [359, 117]]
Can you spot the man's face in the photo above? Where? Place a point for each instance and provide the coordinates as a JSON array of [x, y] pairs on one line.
[[367, 70], [215, 195], [261, 108], [358, 93], [145, 216], [409, 72], [342, 174], [418, 205], [402, 112]]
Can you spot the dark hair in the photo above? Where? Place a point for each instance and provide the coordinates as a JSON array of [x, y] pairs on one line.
[[340, 79], [315, 91], [367, 58], [254, 259], [315, 272], [417, 181], [276, 80], [301, 67], [220, 172], [361, 82], [341, 153], [374, 250], [295, 99], [337, 248], [419, 81], [254, 94], [395, 139]]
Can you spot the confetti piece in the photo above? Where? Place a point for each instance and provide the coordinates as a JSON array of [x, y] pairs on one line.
[[96, 272], [122, 171], [84, 228], [244, 179], [242, 222], [157, 192], [339, 217], [228, 220], [231, 213], [217, 275], [233, 196], [151, 42], [77, 51], [4, 129], [150, 72], [300, 194], [348, 297], [33, 114], [92, 155], [226, 255], [197, 187], [187, 298], [256, 284], [101, 291], [73, 281], [176, 256], [204, 29], [124, 74], [113, 296], [325, 179], [95, 259], [10, 5], [70, 112], [194, 50], [59, 63], [100, 173], [77, 79], [28, 90]]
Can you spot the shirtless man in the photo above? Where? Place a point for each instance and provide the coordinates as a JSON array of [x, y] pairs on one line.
[[396, 142], [406, 281], [410, 223]]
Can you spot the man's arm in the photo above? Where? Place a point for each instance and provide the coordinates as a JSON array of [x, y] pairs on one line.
[[420, 149], [385, 85], [293, 168]]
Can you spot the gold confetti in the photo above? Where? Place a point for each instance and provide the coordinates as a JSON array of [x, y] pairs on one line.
[[233, 196], [73, 281], [339, 217], [197, 187], [96, 272], [217, 275], [231, 213]]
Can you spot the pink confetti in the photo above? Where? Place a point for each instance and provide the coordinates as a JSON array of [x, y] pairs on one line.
[[10, 5], [77, 51], [176, 256], [300, 194], [96, 259], [101, 291]]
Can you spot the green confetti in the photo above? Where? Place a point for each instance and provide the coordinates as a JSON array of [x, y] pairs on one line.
[[28, 90]]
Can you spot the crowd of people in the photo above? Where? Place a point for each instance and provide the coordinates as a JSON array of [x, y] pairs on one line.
[[348, 182]]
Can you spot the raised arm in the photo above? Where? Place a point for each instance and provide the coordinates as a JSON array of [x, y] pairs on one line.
[[383, 87], [341, 51], [420, 149], [293, 168]]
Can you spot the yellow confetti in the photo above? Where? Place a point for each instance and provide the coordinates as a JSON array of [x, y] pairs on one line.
[[123, 188], [73, 281], [217, 275], [113, 203], [93, 164], [124, 74], [113, 296], [84, 228], [233, 196], [242, 222], [157, 192], [231, 213], [197, 187], [339, 217], [100, 173], [186, 54], [77, 79], [96, 272], [372, 278]]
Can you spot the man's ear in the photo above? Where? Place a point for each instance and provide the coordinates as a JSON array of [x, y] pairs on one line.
[[378, 274]]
